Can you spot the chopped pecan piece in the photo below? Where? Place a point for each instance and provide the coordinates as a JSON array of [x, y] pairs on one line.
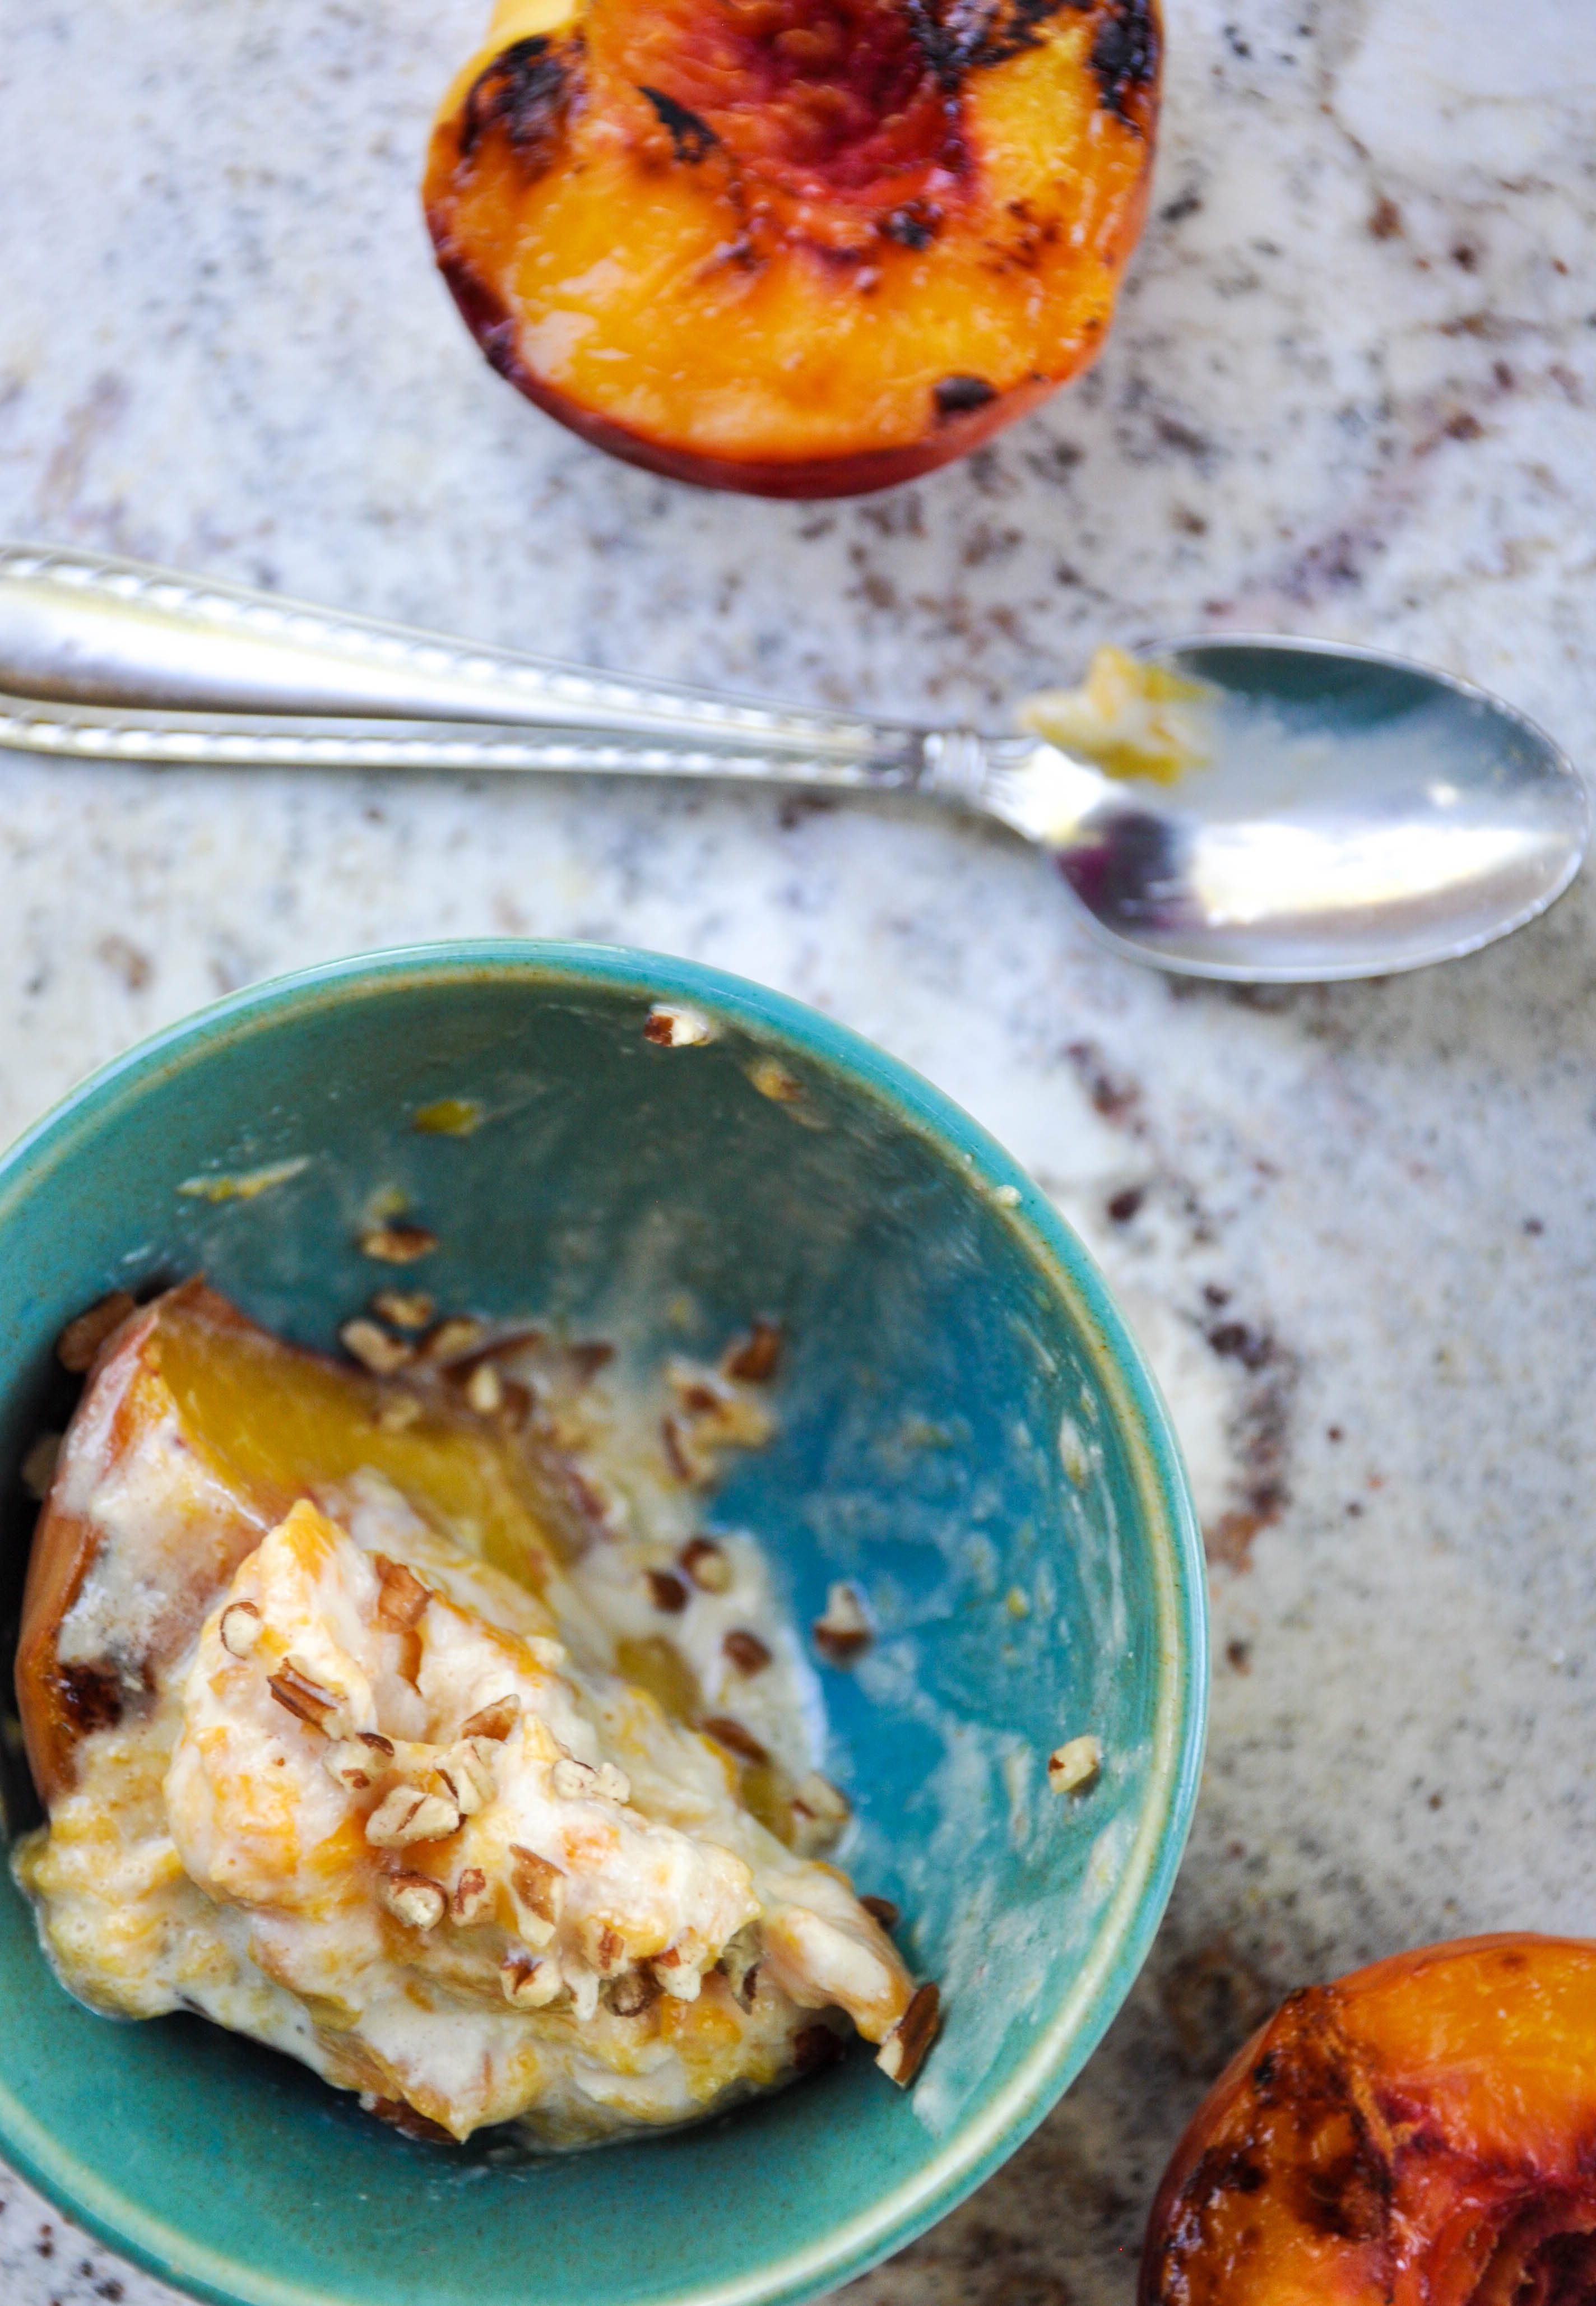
[[844, 1633], [495, 1721], [399, 1242], [538, 1887], [305, 1697], [414, 1899], [530, 1983], [903, 2053], [353, 1765], [753, 1359], [473, 1898], [883, 1910], [453, 1337], [605, 1948], [674, 1025], [707, 1565], [373, 1347], [667, 1592], [403, 1308], [745, 1650], [1073, 1766], [633, 1992], [730, 1733], [240, 1629], [484, 1390], [407, 1814], [401, 1599], [465, 1776]]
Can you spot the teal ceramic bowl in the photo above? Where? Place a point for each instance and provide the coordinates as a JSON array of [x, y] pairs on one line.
[[965, 1429]]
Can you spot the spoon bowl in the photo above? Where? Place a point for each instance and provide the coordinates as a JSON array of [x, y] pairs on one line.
[[1357, 815], [1360, 815]]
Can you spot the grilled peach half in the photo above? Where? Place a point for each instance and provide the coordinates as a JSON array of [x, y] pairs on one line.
[[1419, 2133], [799, 248]]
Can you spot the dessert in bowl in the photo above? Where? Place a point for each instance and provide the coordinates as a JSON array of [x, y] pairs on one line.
[[959, 1488]]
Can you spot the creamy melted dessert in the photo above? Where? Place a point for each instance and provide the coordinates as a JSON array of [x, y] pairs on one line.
[[407, 1724]]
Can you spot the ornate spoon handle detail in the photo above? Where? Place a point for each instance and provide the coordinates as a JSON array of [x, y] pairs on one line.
[[120, 656]]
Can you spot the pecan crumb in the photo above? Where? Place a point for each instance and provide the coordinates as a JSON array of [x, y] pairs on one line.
[[484, 1390], [606, 1949], [1073, 1766], [303, 1696], [844, 1633], [673, 1025], [667, 1592], [903, 2053], [538, 1886], [753, 1359], [402, 1598], [81, 1339], [403, 1308], [531, 1984], [495, 1721], [883, 1910], [707, 1565], [471, 1900], [745, 1650], [452, 1337], [632, 1993], [399, 1242], [373, 1348], [408, 1815], [729, 1733], [414, 1899], [815, 1797], [773, 1081], [240, 1628]]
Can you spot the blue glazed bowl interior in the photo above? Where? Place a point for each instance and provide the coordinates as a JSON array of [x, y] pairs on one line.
[[966, 1430]]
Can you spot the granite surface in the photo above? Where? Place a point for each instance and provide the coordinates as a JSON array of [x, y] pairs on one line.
[[1351, 392]]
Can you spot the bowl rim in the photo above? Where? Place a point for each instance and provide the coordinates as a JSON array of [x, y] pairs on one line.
[[1124, 1936]]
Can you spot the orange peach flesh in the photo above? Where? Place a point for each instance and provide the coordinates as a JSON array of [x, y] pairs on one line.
[[1419, 2133], [778, 245]]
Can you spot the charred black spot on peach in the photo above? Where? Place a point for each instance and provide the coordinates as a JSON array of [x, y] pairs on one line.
[[915, 224], [956, 396], [1125, 55], [524, 90], [691, 136]]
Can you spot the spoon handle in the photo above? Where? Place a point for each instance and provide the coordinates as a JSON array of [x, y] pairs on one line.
[[86, 641], [949, 765]]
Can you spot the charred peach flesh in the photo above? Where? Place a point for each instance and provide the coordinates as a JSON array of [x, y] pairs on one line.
[[795, 247], [1419, 2133]]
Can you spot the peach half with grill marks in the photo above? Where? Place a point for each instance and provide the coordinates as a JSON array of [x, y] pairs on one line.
[[1418, 2133], [799, 248]]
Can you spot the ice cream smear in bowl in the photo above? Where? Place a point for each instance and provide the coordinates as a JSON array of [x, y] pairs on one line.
[[372, 1726]]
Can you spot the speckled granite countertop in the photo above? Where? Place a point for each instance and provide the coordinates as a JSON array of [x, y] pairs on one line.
[[1350, 393]]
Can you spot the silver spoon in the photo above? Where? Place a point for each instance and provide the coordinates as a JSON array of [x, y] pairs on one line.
[[1359, 814]]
